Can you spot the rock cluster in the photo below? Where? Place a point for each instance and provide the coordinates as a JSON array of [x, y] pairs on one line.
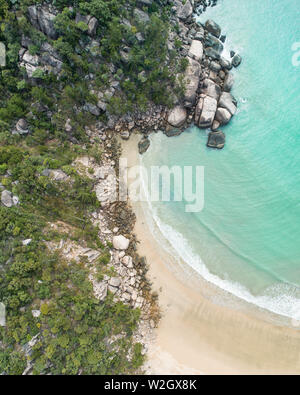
[[208, 101], [48, 60]]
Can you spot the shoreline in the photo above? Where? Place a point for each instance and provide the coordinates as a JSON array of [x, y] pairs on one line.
[[197, 336]]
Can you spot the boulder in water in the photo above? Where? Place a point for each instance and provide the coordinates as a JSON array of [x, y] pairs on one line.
[[213, 28], [216, 140]]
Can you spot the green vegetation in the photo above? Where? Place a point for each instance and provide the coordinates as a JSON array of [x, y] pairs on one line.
[[73, 329]]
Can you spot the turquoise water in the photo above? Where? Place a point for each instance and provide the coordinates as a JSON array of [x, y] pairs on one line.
[[247, 238]]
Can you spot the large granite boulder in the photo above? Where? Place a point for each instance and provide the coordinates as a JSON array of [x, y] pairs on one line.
[[196, 50], [223, 116], [191, 79], [216, 140], [210, 88], [184, 11], [213, 42], [228, 101], [120, 242], [213, 28], [208, 112], [177, 116]]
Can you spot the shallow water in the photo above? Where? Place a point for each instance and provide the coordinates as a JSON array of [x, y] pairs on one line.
[[247, 238]]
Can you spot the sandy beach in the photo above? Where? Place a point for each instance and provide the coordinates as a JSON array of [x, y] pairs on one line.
[[197, 336]]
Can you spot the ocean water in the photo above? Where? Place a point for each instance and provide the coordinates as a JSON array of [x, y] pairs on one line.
[[247, 238]]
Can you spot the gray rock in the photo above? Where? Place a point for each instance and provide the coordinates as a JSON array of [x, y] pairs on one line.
[[226, 64], [120, 242], [31, 59], [102, 105], [228, 82], [196, 50], [173, 132], [139, 36], [177, 116], [141, 16], [213, 42], [7, 198], [92, 108], [208, 112], [43, 20], [185, 11], [144, 145], [213, 28], [15, 200], [125, 56], [212, 53], [228, 101], [114, 282], [198, 109], [82, 18], [92, 26], [127, 261], [22, 126], [214, 66], [191, 79], [26, 242], [210, 88], [46, 22], [223, 116], [58, 175], [125, 134], [36, 313], [68, 126], [236, 60], [216, 140]]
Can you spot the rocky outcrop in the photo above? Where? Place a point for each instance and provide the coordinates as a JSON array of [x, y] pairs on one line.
[[141, 16], [42, 19], [91, 22], [47, 60]]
